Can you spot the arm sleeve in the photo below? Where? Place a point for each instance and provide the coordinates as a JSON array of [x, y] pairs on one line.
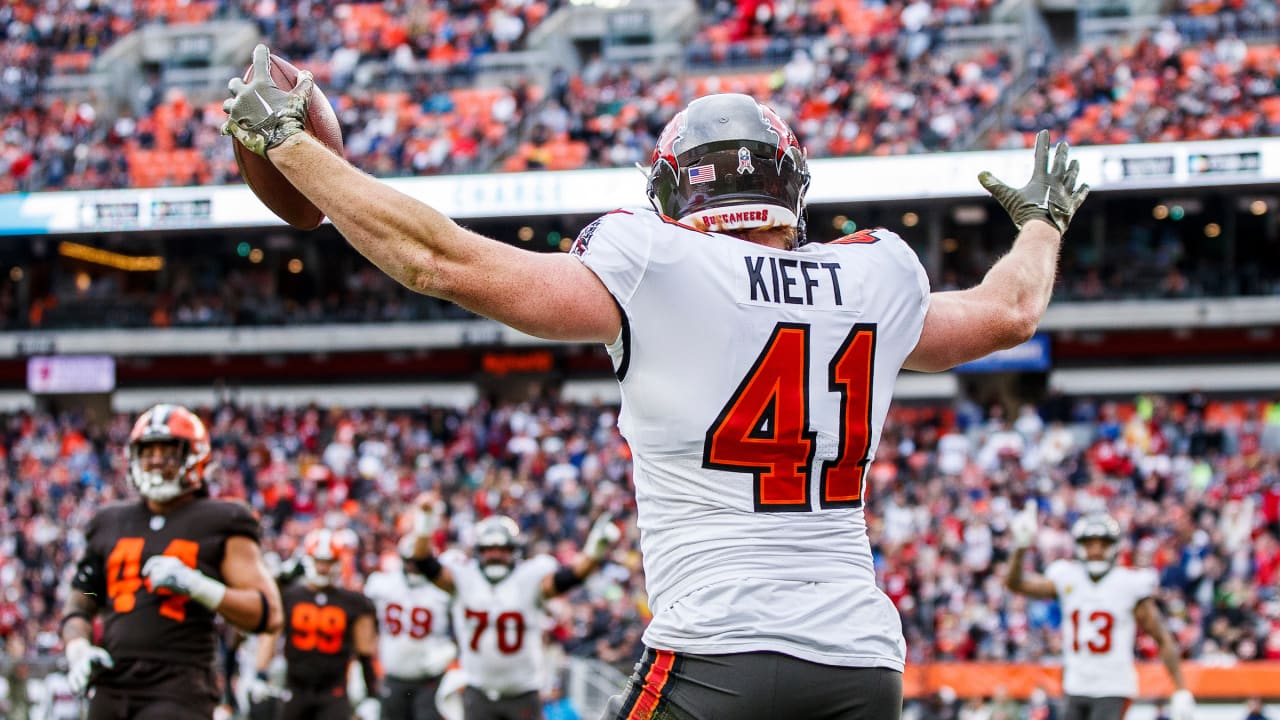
[[1145, 583], [91, 575]]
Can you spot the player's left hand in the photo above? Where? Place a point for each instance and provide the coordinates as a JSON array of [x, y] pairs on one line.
[[604, 534], [165, 572], [1051, 195], [261, 114], [369, 709], [1182, 705]]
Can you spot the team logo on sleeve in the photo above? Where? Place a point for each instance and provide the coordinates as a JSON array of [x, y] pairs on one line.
[[744, 162], [580, 243]]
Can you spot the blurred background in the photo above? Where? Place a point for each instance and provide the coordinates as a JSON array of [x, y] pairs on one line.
[[136, 268]]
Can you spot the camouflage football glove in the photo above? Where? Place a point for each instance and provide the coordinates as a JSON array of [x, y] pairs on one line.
[[1050, 196], [261, 114]]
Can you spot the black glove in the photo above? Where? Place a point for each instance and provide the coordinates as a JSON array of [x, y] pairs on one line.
[[1049, 196], [261, 114]]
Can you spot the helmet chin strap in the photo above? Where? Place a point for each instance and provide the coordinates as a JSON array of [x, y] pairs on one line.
[[313, 576], [495, 571], [1097, 568], [153, 486]]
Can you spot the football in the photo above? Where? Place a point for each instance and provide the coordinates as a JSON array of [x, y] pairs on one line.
[[271, 187]]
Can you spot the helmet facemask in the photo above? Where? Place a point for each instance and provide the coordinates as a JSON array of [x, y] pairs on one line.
[[1097, 527], [322, 547], [176, 427], [497, 533]]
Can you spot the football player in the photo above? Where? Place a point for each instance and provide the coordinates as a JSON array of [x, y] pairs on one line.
[[415, 646], [1102, 608], [756, 371], [326, 627], [498, 611], [158, 570]]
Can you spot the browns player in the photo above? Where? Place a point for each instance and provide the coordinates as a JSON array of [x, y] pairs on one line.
[[158, 571], [325, 627]]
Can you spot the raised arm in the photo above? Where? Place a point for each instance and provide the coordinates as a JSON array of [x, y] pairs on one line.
[[1023, 532], [550, 295], [1005, 308], [603, 536]]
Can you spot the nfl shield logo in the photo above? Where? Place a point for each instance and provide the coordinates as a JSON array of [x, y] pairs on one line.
[[744, 162]]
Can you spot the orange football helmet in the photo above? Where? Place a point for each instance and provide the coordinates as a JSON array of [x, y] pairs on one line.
[[175, 424]]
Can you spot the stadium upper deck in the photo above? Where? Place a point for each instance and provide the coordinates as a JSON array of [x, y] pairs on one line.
[[410, 84]]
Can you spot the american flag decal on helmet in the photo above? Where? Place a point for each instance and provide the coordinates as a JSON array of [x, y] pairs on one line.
[[702, 174]]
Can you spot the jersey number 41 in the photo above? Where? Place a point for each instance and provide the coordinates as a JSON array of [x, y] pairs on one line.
[[764, 428]]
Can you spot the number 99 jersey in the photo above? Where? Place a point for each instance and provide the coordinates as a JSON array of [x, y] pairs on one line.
[[1098, 627], [754, 385], [319, 635]]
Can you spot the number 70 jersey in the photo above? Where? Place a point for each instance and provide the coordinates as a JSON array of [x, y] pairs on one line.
[[754, 385]]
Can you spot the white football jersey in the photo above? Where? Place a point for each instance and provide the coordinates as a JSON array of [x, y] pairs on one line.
[[414, 641], [1098, 627], [499, 625], [754, 386]]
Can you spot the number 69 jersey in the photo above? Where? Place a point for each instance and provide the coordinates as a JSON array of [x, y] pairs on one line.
[[1098, 627], [754, 385], [499, 625], [413, 626]]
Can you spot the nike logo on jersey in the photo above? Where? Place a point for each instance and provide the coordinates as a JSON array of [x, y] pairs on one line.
[[793, 282]]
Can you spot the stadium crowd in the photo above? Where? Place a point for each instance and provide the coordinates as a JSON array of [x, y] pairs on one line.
[[869, 78], [1195, 483]]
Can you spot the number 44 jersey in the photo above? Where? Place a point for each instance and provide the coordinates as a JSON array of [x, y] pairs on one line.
[[754, 385], [162, 626], [1098, 627]]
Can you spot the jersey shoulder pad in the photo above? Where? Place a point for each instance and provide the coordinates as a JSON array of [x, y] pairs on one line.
[[1144, 582], [237, 518], [1059, 572], [866, 236], [540, 565]]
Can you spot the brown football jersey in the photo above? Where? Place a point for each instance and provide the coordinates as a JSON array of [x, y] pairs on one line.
[[319, 634], [137, 622]]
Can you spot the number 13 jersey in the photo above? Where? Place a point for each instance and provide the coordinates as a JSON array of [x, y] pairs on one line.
[[754, 386], [1098, 627]]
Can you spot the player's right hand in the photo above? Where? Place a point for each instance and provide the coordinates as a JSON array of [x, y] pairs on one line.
[[1024, 525], [427, 514], [259, 690], [82, 659], [261, 114], [1051, 195], [1182, 705]]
